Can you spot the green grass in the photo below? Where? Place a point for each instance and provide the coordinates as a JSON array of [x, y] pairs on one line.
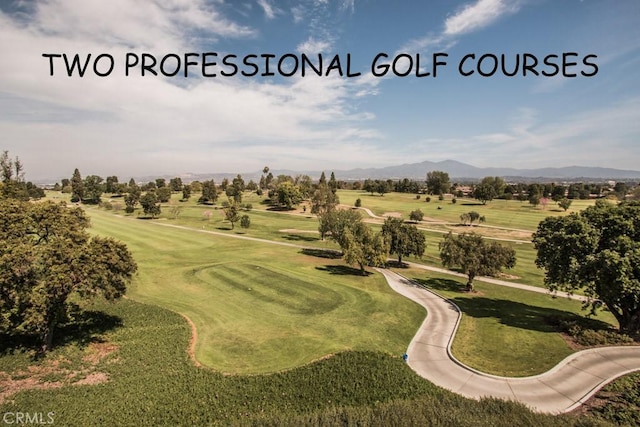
[[261, 307], [505, 331], [501, 213], [153, 382]]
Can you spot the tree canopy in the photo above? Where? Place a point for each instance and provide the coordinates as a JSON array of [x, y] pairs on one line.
[[438, 182], [598, 251], [358, 243], [404, 239], [46, 258], [474, 256]]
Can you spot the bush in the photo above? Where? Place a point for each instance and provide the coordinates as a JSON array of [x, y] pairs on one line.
[[454, 201], [427, 199], [358, 203], [417, 197], [245, 221], [416, 215], [107, 205]]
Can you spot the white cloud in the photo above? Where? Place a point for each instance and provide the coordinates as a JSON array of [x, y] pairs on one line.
[[479, 15], [268, 9], [313, 45], [150, 125]]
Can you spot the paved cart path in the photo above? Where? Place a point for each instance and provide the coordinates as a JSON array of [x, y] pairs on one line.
[[561, 389]]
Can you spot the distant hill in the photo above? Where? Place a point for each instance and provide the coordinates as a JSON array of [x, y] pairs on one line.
[[459, 170], [456, 170]]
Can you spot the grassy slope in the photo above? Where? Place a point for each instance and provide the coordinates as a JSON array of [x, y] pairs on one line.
[[152, 382], [260, 307]]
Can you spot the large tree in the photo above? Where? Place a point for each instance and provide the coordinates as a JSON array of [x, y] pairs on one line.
[[489, 188], [357, 241], [93, 189], [47, 261], [598, 251], [12, 185], [404, 239], [150, 204], [288, 195], [438, 182], [77, 187], [474, 256], [209, 192]]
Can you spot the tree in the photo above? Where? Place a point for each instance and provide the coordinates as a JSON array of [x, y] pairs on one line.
[[93, 189], [416, 215], [333, 184], [474, 256], [489, 188], [150, 204], [77, 187], [438, 182], [235, 190], [471, 217], [164, 194], [161, 182], [133, 197], [209, 192], [186, 192], [534, 199], [323, 199], [48, 261], [598, 251], [404, 239], [620, 189], [232, 213], [111, 185], [245, 221], [558, 193], [288, 195], [175, 184], [362, 247], [12, 185], [358, 243]]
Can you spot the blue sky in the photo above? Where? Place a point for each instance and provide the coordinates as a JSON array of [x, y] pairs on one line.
[[133, 126]]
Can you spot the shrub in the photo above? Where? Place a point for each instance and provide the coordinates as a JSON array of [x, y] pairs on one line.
[[427, 199], [358, 203]]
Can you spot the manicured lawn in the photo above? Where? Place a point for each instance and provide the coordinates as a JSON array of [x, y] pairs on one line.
[[501, 213], [261, 307]]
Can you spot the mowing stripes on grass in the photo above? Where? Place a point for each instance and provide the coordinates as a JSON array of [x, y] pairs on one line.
[[260, 307]]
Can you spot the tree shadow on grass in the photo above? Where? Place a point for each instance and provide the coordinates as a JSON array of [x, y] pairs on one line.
[[439, 284], [321, 253], [472, 204], [86, 328], [343, 270], [510, 313], [299, 238]]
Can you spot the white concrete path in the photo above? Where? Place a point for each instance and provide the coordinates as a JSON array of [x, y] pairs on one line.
[[561, 389]]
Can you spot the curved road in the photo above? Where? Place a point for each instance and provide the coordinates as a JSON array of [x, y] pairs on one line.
[[561, 389]]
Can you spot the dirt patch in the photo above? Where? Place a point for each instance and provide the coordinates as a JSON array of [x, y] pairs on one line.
[[93, 379], [192, 342], [98, 351], [392, 214], [53, 373]]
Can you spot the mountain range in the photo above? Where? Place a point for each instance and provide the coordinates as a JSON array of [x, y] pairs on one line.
[[456, 170]]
